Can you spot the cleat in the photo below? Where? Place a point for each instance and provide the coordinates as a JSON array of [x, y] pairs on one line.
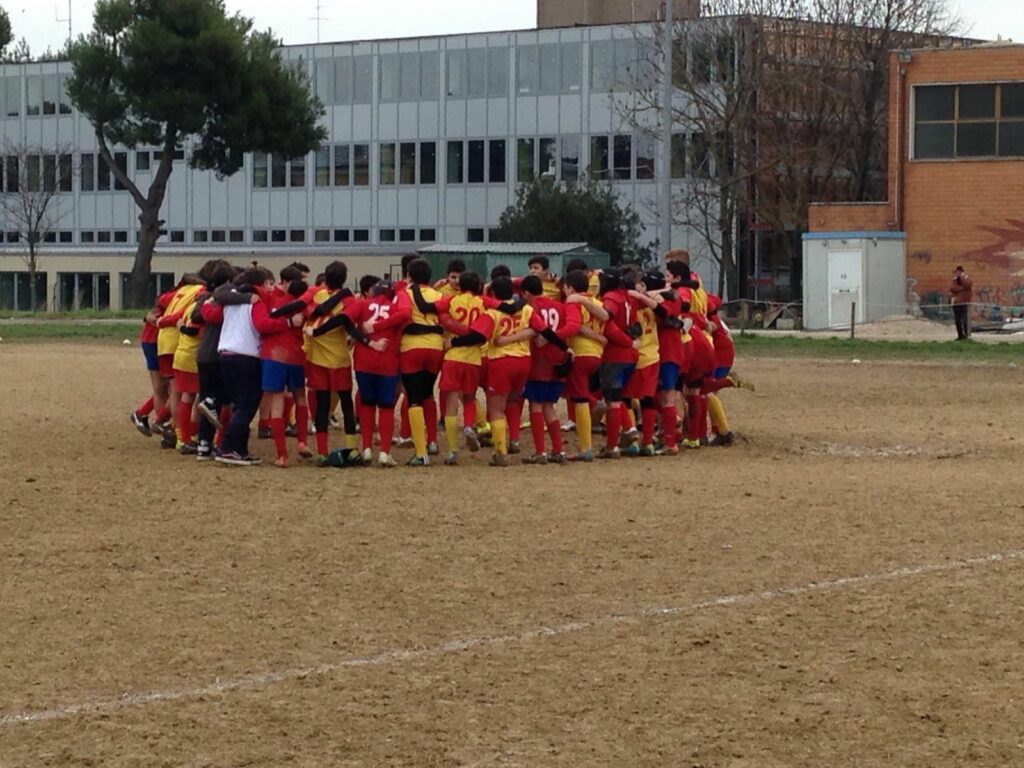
[[569, 426], [208, 410], [632, 450], [141, 423], [168, 438], [234, 459], [291, 431], [723, 440], [418, 461], [320, 460], [303, 450], [741, 383], [667, 450], [281, 462], [333, 423], [432, 449], [647, 450], [385, 461], [513, 447], [586, 456], [558, 458], [367, 456], [188, 449], [403, 442], [264, 433], [472, 439], [690, 444], [253, 459], [609, 453], [451, 459], [484, 430], [499, 460], [537, 458], [705, 441]]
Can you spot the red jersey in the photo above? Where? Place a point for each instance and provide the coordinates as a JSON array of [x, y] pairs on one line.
[[670, 340], [389, 316], [281, 340], [725, 349], [150, 332], [565, 320], [622, 311]]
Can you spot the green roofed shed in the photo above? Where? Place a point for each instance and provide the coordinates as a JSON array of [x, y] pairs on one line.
[[482, 257]]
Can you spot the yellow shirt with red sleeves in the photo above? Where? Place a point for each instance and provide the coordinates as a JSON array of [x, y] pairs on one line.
[[167, 339], [188, 345], [580, 345], [466, 308], [449, 290], [649, 347], [594, 284], [494, 323], [331, 349], [412, 341]]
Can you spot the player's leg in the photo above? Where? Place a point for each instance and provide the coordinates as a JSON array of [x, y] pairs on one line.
[[367, 383], [533, 394], [301, 413], [271, 407], [554, 425]]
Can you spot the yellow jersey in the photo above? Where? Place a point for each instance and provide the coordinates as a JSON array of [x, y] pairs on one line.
[[188, 346], [506, 325], [425, 340], [331, 349], [594, 284], [582, 346], [167, 339], [466, 308], [649, 348]]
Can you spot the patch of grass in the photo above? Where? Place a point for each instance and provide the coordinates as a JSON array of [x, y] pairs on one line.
[[81, 314], [862, 349], [58, 331]]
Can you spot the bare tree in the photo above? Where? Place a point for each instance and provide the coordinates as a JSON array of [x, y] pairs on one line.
[[33, 180]]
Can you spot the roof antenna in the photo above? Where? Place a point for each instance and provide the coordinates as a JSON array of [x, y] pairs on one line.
[[59, 20], [318, 8]]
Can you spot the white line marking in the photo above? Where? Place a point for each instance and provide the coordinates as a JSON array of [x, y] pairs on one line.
[[387, 657]]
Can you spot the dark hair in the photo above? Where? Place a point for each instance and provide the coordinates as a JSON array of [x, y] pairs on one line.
[[502, 288], [538, 259], [207, 270], [532, 285], [408, 259], [419, 271], [611, 280], [320, 279], [577, 280], [292, 272], [678, 269], [254, 276], [366, 282], [220, 275], [500, 270], [456, 265], [576, 264], [297, 287], [653, 280], [470, 282], [335, 275]]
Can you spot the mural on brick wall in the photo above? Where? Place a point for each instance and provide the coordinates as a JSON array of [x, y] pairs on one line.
[[997, 269]]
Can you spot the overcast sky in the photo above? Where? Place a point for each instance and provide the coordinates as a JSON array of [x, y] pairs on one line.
[[360, 19]]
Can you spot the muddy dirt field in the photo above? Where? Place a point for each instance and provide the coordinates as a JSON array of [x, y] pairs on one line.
[[841, 588]]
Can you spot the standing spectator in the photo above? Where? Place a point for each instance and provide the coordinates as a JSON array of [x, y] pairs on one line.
[[963, 294]]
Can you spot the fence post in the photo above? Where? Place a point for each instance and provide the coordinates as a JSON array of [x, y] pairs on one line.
[[853, 318]]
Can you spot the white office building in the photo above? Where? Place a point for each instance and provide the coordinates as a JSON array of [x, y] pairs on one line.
[[428, 138]]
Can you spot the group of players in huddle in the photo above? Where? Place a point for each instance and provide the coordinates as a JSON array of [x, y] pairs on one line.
[[637, 350]]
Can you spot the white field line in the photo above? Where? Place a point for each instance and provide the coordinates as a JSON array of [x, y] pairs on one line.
[[101, 705]]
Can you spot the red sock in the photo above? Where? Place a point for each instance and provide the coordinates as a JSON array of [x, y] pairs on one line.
[[702, 416], [302, 423], [185, 421], [555, 430], [537, 428], [289, 407], [163, 414], [406, 430], [277, 430], [650, 421], [264, 423], [366, 414], [321, 442], [469, 413], [444, 403], [613, 424], [386, 428], [145, 409], [668, 425], [430, 416], [514, 417], [711, 387]]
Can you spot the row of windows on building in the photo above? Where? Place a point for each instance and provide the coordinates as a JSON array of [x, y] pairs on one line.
[[216, 236], [969, 121]]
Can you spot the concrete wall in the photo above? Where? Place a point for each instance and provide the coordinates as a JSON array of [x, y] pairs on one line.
[[568, 13]]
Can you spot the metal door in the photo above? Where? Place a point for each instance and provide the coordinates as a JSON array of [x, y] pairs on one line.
[[845, 270]]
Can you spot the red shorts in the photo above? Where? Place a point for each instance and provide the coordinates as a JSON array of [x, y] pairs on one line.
[[508, 375], [577, 386], [461, 377], [643, 382], [166, 363], [185, 381], [482, 381], [321, 379], [418, 360]]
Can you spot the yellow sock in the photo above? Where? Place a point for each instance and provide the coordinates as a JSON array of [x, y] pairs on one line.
[[584, 427], [717, 413], [451, 432], [418, 427], [351, 442], [499, 434], [481, 415]]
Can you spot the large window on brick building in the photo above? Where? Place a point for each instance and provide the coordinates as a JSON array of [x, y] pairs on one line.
[[968, 121]]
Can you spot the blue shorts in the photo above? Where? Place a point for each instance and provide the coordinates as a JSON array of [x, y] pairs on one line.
[[721, 372], [544, 391], [668, 376], [614, 376], [152, 360], [278, 377], [376, 389]]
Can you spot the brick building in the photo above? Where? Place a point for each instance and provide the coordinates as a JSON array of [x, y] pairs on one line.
[[956, 173]]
